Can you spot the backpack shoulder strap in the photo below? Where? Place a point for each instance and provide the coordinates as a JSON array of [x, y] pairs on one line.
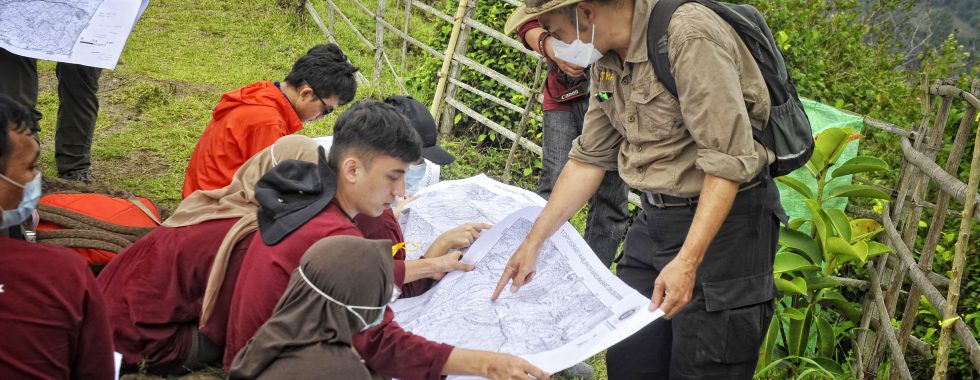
[[657, 41]]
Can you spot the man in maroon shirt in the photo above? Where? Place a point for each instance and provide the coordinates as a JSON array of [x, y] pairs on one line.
[[52, 319], [373, 146]]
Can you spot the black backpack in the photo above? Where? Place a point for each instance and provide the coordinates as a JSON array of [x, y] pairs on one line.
[[788, 132]]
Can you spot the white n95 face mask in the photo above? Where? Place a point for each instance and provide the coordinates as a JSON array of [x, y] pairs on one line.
[[395, 293], [578, 53]]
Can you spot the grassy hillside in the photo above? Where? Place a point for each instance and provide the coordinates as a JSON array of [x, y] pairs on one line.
[[178, 61]]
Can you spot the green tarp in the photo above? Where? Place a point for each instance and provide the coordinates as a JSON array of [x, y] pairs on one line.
[[821, 117]]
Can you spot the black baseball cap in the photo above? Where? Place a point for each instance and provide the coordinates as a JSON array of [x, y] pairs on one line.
[[425, 125]]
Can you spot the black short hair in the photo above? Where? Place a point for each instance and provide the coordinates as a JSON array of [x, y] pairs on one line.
[[371, 128], [13, 117], [326, 70]]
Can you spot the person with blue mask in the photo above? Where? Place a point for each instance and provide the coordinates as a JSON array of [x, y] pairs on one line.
[[50, 304]]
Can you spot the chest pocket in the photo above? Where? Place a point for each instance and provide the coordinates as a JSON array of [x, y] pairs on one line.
[[657, 115]]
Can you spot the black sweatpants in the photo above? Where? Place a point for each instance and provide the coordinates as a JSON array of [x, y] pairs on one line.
[[719, 333], [78, 105]]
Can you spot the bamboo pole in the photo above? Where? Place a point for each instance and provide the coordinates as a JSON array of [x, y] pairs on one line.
[[456, 69], [379, 42], [408, 16], [885, 321], [524, 122], [450, 53], [959, 261], [933, 142], [921, 279], [910, 313], [905, 179]]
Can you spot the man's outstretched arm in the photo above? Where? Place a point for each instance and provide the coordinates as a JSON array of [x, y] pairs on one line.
[[576, 184]]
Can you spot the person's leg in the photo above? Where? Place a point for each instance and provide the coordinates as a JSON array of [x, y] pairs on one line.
[[719, 333], [608, 217], [560, 128], [18, 80], [647, 353], [78, 110]]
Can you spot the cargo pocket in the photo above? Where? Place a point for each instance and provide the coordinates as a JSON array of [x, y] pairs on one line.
[[657, 113], [738, 314]]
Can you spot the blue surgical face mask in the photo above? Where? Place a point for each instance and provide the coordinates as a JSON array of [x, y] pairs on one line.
[[414, 175], [28, 203], [395, 293]]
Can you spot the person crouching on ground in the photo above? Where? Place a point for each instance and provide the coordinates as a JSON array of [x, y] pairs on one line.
[[341, 287], [373, 146], [253, 117]]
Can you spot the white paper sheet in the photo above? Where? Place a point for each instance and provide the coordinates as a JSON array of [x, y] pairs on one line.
[[448, 204], [86, 32], [117, 358], [573, 309]]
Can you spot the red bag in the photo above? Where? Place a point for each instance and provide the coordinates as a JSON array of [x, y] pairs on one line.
[[86, 222]]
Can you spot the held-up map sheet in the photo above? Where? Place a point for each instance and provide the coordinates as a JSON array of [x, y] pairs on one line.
[[445, 205], [85, 32], [573, 309]]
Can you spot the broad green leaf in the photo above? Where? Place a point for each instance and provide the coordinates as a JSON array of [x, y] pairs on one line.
[[826, 340], [797, 185], [769, 346], [791, 287], [794, 313], [825, 145], [856, 191], [838, 302], [795, 336], [860, 164], [830, 367], [861, 248], [876, 248], [801, 242], [820, 221], [840, 221], [948, 322], [840, 246], [863, 229], [796, 223], [787, 261], [817, 282], [843, 145]]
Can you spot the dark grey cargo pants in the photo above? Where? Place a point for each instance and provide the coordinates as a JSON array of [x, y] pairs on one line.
[[78, 105], [719, 333]]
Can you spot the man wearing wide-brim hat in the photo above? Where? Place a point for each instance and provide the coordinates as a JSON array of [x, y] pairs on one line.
[[703, 246]]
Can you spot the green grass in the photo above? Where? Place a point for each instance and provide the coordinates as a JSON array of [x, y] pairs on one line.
[[183, 55]]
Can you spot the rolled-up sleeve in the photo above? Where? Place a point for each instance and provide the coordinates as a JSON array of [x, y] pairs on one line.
[[713, 107], [599, 143]]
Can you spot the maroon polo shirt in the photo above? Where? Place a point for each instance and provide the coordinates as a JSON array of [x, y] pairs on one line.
[[154, 290], [53, 321]]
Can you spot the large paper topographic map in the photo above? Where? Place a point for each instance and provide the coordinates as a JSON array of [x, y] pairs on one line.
[[573, 309], [85, 32], [46, 26]]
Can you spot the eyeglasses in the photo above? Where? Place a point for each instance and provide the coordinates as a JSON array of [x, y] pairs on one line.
[[326, 108]]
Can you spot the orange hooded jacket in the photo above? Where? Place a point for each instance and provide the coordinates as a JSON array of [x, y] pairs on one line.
[[244, 122]]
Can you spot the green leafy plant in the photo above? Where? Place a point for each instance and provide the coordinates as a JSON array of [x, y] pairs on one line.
[[802, 338]]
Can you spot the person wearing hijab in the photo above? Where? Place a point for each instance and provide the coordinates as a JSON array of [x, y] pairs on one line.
[[168, 294], [373, 147], [342, 285]]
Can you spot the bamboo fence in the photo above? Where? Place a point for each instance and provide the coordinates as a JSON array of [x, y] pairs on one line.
[[892, 277]]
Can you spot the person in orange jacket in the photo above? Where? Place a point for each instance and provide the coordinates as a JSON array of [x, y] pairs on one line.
[[252, 118]]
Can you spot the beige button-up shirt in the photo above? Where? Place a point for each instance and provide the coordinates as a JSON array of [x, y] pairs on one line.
[[663, 145]]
